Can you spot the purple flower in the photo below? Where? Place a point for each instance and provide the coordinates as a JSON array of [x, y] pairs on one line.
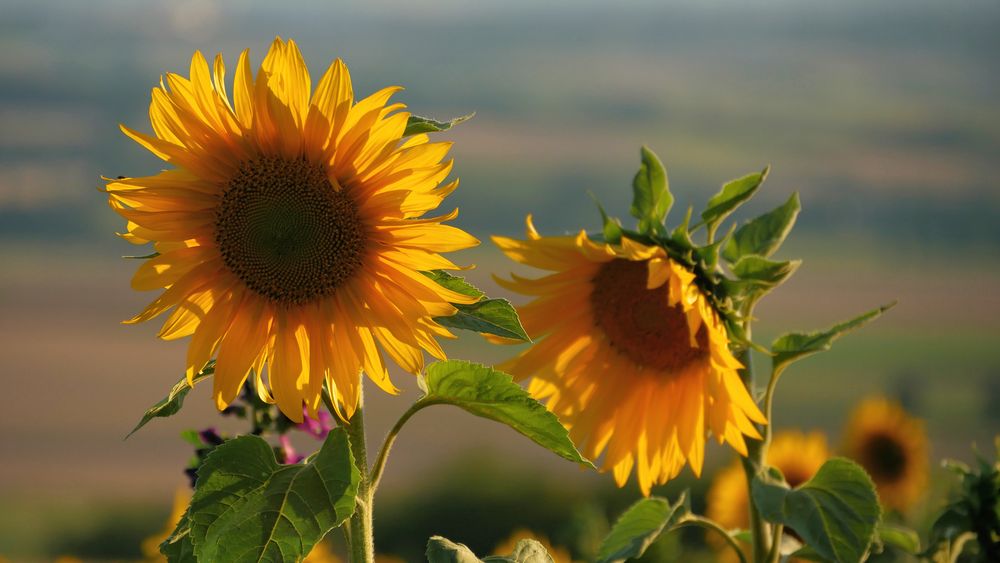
[[291, 456], [316, 428]]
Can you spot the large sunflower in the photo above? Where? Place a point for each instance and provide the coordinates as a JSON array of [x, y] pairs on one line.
[[288, 231], [632, 356], [892, 447]]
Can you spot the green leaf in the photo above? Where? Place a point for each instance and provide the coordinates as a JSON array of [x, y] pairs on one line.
[[247, 506], [416, 125], [794, 346], [763, 235], [835, 512], [178, 547], [899, 537], [172, 403], [441, 550], [526, 551], [651, 197], [638, 528], [490, 316], [454, 283], [492, 394], [733, 194], [761, 272]]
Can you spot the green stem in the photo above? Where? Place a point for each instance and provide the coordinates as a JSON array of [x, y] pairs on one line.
[[754, 461], [774, 555], [694, 520], [360, 538], [390, 439]]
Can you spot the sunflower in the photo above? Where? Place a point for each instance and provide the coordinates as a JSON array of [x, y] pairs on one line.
[[631, 355], [288, 232], [798, 455], [892, 447]]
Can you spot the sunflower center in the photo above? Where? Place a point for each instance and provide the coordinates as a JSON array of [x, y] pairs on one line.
[[286, 232], [884, 457], [639, 323]]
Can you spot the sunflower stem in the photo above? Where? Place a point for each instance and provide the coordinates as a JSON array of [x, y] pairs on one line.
[[754, 461], [694, 520], [360, 537]]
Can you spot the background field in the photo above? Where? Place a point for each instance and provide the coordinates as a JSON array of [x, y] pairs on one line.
[[884, 117]]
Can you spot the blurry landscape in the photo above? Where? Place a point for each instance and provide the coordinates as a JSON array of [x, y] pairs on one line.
[[884, 117]]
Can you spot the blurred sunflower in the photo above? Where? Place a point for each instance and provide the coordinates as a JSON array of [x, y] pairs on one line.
[[631, 355], [798, 455], [288, 233], [151, 545], [892, 447], [506, 547]]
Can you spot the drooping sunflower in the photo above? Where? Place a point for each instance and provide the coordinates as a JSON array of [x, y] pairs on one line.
[[798, 455], [892, 447], [630, 354], [288, 232]]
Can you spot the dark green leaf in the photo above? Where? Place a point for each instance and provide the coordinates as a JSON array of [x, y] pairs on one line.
[[248, 507], [172, 403], [899, 537], [732, 195], [416, 125], [453, 283], [178, 547], [441, 550], [492, 394], [490, 316], [651, 197], [794, 346], [638, 528], [834, 513], [763, 235]]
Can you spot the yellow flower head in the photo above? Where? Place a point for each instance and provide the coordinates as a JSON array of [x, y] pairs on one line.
[[288, 232], [632, 357], [797, 455], [892, 447]]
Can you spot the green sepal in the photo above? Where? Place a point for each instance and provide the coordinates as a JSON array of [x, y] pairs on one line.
[[681, 235], [835, 513], [490, 393], [898, 537], [442, 550], [651, 197], [144, 257], [246, 505], [611, 227], [733, 194], [763, 235], [760, 273], [794, 346], [172, 403], [416, 125], [640, 526], [487, 316]]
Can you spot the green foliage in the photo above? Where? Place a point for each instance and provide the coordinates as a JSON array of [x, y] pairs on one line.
[[733, 194], [416, 125], [639, 527], [969, 526], [835, 512], [492, 394], [761, 274], [246, 505], [178, 548], [611, 228], [899, 537], [441, 550], [488, 316], [763, 235], [651, 197], [794, 346], [172, 403]]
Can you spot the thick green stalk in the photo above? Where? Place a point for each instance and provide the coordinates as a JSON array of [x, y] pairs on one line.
[[756, 452], [359, 534]]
